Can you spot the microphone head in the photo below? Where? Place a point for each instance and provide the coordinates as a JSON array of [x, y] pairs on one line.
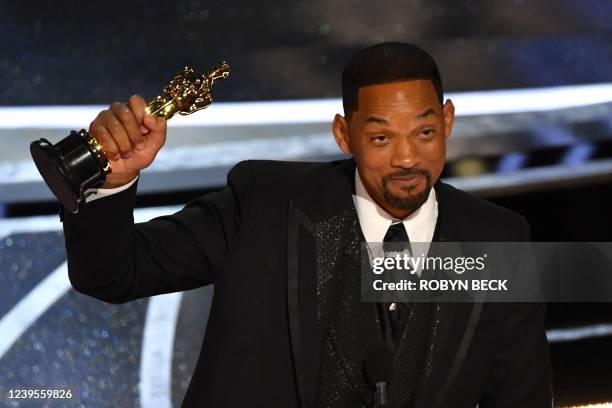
[[378, 363]]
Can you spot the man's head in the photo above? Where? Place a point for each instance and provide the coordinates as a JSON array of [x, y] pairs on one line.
[[394, 124]]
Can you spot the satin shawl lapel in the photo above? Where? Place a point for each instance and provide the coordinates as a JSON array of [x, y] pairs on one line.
[[453, 324], [301, 304], [323, 240]]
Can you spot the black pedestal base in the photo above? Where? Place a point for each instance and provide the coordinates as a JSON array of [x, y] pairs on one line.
[[69, 168]]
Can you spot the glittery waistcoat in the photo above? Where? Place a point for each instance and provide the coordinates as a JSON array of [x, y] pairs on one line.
[[350, 326]]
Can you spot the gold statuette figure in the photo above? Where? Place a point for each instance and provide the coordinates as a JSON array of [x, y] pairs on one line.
[[187, 92], [78, 163]]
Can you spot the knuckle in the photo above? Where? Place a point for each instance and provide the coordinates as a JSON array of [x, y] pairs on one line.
[[121, 111], [116, 106], [98, 118], [115, 127], [122, 141], [97, 130], [109, 147], [102, 136], [125, 145], [136, 136], [106, 117], [125, 115], [125, 148], [101, 116]]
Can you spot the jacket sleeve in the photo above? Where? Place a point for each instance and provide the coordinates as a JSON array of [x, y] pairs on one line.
[[115, 260], [521, 375]]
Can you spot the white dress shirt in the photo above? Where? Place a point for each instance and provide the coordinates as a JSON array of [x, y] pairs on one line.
[[95, 193], [375, 221]]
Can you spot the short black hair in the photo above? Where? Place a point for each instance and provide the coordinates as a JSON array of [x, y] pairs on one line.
[[386, 63]]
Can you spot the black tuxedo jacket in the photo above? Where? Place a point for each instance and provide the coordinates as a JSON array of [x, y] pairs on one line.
[[273, 242]]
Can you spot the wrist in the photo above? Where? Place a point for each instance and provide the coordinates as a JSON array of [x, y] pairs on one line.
[[114, 181]]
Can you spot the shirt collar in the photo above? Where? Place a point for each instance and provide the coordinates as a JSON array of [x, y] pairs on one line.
[[375, 221]]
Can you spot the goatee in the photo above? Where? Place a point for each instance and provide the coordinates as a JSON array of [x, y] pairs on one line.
[[410, 202]]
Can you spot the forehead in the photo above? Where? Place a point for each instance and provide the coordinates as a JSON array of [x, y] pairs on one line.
[[406, 95]]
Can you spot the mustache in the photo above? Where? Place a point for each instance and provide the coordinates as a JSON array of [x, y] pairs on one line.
[[407, 172]]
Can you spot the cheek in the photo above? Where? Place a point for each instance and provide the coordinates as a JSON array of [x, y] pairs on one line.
[[434, 159], [372, 173], [434, 152], [372, 169], [372, 158]]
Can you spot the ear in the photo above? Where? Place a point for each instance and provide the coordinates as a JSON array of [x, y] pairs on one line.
[[340, 129], [448, 110]]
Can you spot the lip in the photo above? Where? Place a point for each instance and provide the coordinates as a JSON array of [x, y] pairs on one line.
[[406, 179], [406, 183]]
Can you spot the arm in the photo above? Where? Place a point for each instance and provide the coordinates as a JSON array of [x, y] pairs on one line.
[[521, 375], [115, 260], [96, 193], [112, 259]]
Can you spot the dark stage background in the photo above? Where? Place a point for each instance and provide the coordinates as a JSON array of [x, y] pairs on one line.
[[92, 53], [69, 52]]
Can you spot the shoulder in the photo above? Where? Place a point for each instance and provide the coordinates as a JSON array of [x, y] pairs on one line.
[[276, 173], [283, 168], [467, 203], [318, 188], [493, 221]]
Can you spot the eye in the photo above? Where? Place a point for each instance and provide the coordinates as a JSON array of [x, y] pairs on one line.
[[427, 133], [379, 139]]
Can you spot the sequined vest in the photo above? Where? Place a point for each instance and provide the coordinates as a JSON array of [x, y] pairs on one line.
[[350, 326]]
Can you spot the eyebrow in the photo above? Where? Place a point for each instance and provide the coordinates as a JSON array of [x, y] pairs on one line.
[[377, 121], [381, 121], [428, 112]]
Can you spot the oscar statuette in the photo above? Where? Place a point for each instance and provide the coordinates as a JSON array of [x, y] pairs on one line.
[[77, 163]]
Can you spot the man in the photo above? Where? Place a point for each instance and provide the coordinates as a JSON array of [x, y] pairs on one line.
[[281, 243]]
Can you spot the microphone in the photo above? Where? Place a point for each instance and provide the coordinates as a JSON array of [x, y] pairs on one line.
[[379, 367]]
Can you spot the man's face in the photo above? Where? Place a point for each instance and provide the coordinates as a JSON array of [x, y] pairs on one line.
[[397, 136]]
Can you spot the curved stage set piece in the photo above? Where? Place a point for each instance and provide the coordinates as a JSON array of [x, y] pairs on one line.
[[531, 150]]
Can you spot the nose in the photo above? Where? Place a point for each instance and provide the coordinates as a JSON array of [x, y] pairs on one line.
[[405, 154]]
